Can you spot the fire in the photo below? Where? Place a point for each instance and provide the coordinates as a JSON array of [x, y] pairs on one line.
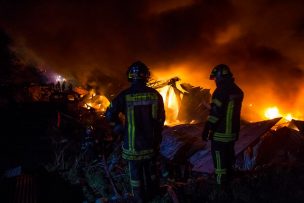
[[171, 102], [98, 102], [93, 100], [272, 112], [253, 110], [172, 96], [288, 117]]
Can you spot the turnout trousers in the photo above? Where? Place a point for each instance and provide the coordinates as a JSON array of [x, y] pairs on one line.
[[223, 156], [144, 179]]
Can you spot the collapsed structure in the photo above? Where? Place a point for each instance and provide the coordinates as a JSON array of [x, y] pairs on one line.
[[87, 150]]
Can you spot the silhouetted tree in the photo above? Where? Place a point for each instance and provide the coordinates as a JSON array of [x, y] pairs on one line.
[[12, 69], [7, 57]]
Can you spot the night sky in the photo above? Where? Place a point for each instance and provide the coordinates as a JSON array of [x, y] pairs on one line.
[[261, 40]]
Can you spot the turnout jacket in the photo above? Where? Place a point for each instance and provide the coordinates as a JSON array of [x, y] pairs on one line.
[[144, 114], [224, 117]]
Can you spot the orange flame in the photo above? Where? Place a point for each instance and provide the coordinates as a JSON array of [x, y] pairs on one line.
[[274, 112], [172, 105], [95, 101], [253, 109], [172, 99]]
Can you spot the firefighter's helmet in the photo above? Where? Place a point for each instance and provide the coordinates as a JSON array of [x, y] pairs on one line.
[[221, 71], [138, 71]]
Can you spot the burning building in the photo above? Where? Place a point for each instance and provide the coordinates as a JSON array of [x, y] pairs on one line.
[[261, 40]]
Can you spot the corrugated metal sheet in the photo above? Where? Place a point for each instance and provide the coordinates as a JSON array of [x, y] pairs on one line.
[[299, 124], [183, 142], [20, 189]]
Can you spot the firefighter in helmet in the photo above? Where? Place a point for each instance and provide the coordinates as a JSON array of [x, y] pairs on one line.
[[144, 113], [223, 124]]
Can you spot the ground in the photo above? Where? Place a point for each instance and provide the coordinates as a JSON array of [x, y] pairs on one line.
[[25, 143]]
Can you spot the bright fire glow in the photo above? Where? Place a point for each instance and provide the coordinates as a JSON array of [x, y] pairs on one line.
[[93, 100], [288, 117], [171, 102], [253, 110], [272, 112], [99, 103], [172, 99]]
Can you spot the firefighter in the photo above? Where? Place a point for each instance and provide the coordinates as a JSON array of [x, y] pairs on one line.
[[143, 111], [223, 124]]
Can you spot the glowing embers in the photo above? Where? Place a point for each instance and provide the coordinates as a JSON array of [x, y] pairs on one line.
[[98, 102], [95, 101]]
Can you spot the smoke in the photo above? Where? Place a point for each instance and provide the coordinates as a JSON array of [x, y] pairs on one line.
[[260, 40]]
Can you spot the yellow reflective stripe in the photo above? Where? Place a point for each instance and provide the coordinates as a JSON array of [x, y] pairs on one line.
[[132, 131], [212, 119], [135, 157], [129, 164], [218, 166], [223, 137], [140, 97], [129, 125], [154, 111], [217, 102], [218, 178], [135, 183], [220, 171], [132, 100], [218, 160], [229, 116], [137, 153]]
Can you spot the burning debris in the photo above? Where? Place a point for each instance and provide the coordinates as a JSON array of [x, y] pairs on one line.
[[183, 102], [86, 150], [59, 126]]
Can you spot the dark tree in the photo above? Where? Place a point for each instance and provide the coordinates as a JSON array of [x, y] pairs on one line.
[[7, 57]]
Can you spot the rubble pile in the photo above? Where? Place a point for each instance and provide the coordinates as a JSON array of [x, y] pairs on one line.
[[83, 152]]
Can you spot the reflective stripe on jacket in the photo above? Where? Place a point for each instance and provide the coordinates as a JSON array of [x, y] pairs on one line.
[[144, 119], [224, 117]]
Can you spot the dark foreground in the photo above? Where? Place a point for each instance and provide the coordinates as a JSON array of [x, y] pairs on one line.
[[44, 175]]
